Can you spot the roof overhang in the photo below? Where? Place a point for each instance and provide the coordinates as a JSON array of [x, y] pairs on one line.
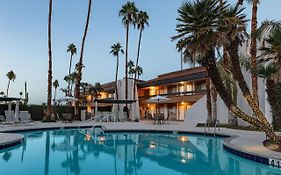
[[114, 101], [9, 99]]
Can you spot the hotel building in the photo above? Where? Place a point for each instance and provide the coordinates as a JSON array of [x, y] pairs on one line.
[[183, 88]]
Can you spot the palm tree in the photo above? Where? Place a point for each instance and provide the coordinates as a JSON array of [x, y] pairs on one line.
[[138, 71], [141, 21], [56, 85], [80, 63], [253, 49], [65, 91], [72, 78], [49, 96], [200, 34], [269, 67], [72, 49], [115, 49], [131, 68], [128, 13], [11, 76]]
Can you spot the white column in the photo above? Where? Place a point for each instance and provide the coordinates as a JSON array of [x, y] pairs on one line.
[[96, 108], [9, 106], [17, 111]]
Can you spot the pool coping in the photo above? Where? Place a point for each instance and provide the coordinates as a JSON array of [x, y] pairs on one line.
[[227, 145], [10, 140]]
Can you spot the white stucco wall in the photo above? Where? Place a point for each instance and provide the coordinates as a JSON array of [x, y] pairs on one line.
[[198, 112], [134, 107]]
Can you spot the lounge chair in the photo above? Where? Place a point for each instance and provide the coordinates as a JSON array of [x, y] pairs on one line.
[[2, 118], [24, 116], [10, 116]]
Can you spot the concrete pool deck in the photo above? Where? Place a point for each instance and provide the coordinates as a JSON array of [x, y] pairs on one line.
[[250, 142]]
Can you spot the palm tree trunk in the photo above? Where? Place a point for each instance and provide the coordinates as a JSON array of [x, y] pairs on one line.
[[80, 64], [7, 94], [214, 103], [116, 81], [238, 76], [126, 65], [209, 63], [253, 50], [137, 63], [55, 95], [271, 89], [208, 102], [69, 72], [181, 60], [49, 99]]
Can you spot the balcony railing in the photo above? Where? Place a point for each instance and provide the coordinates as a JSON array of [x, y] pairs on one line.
[[176, 93]]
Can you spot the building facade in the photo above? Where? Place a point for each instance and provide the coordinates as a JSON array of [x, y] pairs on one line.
[[182, 89]]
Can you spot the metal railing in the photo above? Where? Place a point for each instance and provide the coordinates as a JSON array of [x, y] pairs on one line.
[[175, 93]]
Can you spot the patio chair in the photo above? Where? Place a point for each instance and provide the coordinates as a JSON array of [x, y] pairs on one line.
[[2, 118], [10, 116], [24, 116], [165, 120]]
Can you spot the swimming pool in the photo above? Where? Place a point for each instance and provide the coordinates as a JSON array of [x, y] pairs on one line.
[[70, 152]]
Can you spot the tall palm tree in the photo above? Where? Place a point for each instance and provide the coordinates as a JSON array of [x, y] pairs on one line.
[[56, 85], [72, 50], [200, 34], [80, 63], [115, 49], [11, 76], [142, 19], [50, 76], [271, 58], [128, 13]]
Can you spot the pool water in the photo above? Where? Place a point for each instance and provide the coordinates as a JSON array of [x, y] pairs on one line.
[[70, 152]]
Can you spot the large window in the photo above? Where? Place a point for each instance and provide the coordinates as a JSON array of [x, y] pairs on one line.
[[172, 89]]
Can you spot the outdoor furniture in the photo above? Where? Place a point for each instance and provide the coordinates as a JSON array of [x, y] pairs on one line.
[[10, 116], [2, 118], [24, 116], [67, 117], [158, 118], [165, 120]]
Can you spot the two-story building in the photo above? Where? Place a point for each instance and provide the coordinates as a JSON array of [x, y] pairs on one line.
[[182, 89]]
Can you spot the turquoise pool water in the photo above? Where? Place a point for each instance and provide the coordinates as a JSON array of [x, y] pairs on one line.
[[68, 152]]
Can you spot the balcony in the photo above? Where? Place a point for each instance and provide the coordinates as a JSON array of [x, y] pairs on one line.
[[175, 97]]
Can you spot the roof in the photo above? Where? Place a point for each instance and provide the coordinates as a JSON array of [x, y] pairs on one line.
[[9, 99], [195, 73], [110, 87]]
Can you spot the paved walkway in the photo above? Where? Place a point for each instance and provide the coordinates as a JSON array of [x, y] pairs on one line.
[[246, 141]]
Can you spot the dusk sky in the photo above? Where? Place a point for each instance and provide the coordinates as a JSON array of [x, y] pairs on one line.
[[23, 36]]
